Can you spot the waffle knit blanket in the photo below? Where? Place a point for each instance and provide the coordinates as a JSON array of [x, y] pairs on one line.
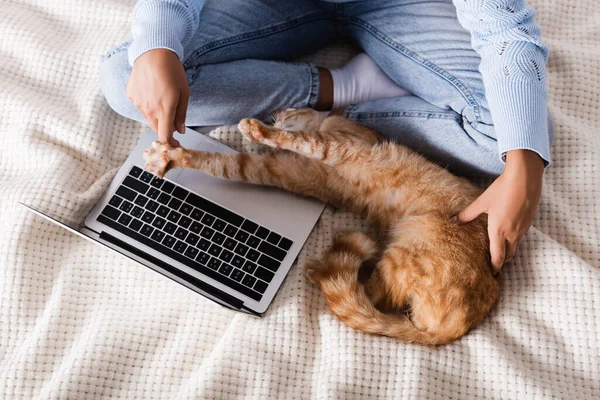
[[77, 321]]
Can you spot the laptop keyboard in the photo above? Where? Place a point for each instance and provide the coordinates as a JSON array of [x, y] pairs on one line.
[[196, 232]]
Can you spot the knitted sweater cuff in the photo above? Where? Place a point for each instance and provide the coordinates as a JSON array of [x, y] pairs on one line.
[[520, 114], [158, 25]]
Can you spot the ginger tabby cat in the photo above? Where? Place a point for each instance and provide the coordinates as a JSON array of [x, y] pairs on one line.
[[431, 281]]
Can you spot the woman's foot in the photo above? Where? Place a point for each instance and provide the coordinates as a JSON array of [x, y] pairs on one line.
[[361, 80]]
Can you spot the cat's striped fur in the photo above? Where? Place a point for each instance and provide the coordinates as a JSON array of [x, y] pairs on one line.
[[431, 280]]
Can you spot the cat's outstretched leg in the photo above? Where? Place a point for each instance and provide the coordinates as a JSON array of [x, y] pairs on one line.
[[284, 170], [329, 147]]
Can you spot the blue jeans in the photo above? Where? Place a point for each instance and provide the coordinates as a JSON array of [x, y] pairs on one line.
[[238, 65]]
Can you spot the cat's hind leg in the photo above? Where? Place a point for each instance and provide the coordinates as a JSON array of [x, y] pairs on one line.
[[329, 147]]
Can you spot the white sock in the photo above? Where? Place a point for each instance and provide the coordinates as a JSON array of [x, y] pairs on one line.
[[361, 80]]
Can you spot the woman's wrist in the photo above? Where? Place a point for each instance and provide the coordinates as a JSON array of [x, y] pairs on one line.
[[527, 161]]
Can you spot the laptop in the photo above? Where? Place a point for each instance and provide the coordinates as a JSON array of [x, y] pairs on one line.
[[232, 242]]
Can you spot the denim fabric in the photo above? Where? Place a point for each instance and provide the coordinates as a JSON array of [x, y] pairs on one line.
[[238, 66]]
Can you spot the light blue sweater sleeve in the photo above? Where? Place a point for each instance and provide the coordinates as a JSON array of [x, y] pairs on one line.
[[512, 65], [166, 24]]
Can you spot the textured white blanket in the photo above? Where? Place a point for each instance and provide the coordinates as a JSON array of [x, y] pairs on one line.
[[77, 321]]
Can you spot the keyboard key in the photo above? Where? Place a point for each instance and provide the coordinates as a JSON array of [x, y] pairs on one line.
[[237, 275], [137, 211], [252, 255], [196, 214], [249, 267], [157, 235], [135, 171], [269, 263], [229, 244], [262, 232], [180, 193], [248, 280], [125, 219], [180, 233], [272, 251], [237, 261], [180, 247], [192, 239], [170, 228], [215, 209], [219, 225], [186, 209], [285, 243], [147, 230], [126, 206], [203, 244], [218, 238], [208, 219], [213, 263], [167, 187], [164, 198], [173, 216], [249, 226], [207, 232], [147, 217], [226, 255], [185, 222], [196, 227], [241, 249], [126, 193], [169, 241], [146, 176], [153, 193], [264, 274], [203, 258], [253, 241], [156, 182], [230, 230], [141, 200], [111, 212], [163, 211], [174, 204], [273, 238], [214, 250], [260, 287], [136, 185], [151, 205], [191, 252], [181, 258], [225, 269], [136, 224], [158, 222], [115, 201], [242, 236]]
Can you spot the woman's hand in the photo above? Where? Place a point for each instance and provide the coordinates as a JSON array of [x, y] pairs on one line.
[[158, 88], [510, 203]]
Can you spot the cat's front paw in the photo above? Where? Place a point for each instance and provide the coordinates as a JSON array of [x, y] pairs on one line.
[[160, 158], [252, 129]]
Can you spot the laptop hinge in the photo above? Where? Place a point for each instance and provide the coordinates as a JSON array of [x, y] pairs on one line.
[[192, 280]]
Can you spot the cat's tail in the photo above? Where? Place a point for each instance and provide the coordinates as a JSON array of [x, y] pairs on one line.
[[337, 275]]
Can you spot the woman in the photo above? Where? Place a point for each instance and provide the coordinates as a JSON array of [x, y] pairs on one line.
[[434, 77]]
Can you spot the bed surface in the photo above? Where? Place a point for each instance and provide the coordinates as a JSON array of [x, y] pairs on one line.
[[77, 321]]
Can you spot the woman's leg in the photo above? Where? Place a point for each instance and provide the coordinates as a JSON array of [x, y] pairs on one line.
[[421, 46], [226, 63]]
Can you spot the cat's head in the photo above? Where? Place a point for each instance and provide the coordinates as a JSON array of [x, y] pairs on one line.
[[299, 119]]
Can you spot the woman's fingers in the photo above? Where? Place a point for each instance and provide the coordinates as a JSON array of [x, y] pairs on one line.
[[474, 210], [497, 251], [181, 111]]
